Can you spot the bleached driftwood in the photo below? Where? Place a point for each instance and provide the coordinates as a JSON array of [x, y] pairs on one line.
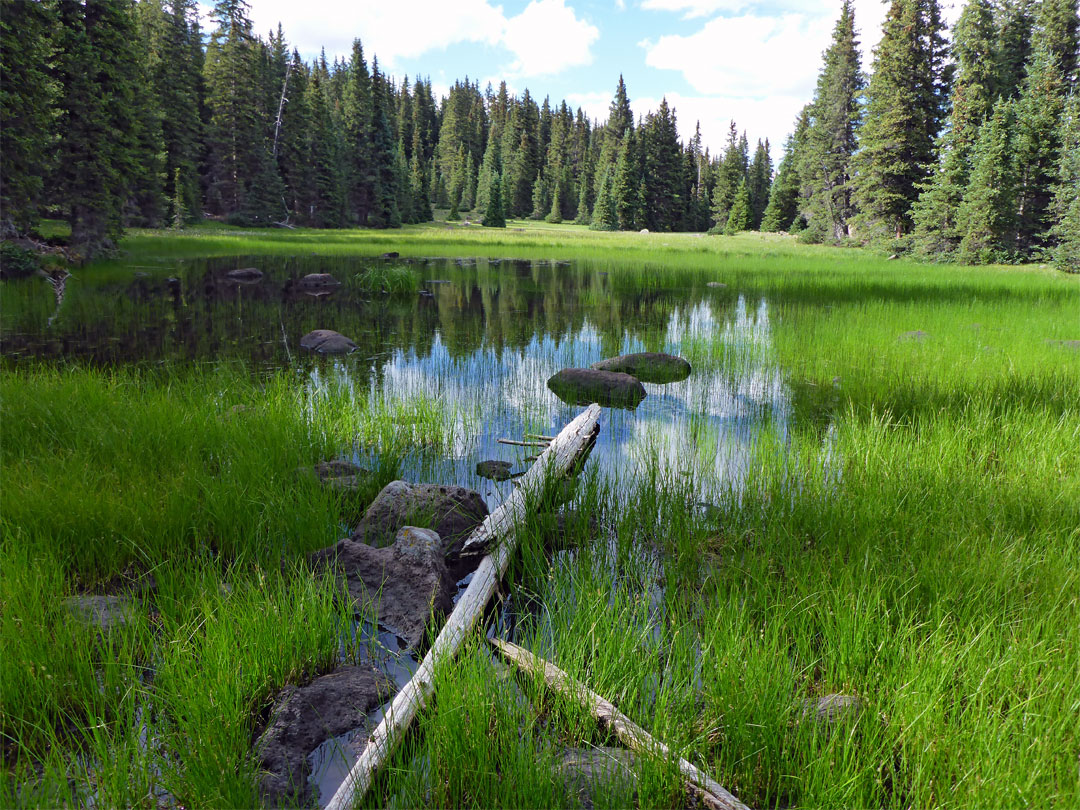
[[711, 794], [496, 533], [516, 443]]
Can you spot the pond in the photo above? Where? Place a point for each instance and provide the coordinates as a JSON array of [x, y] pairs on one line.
[[479, 337]]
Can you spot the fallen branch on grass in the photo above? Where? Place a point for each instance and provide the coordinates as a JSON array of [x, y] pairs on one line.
[[497, 533], [711, 794]]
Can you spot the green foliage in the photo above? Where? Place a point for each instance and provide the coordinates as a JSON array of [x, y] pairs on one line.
[[783, 208], [1065, 205], [605, 217], [987, 218], [495, 216], [384, 279], [740, 217]]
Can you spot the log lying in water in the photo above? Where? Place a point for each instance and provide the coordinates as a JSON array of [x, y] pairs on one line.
[[710, 793], [498, 531]]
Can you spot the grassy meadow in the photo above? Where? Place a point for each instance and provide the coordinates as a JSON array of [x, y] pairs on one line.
[[911, 538]]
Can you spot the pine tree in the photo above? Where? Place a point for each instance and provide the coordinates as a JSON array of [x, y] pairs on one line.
[[664, 204], [626, 186], [1014, 21], [384, 212], [825, 170], [935, 213], [28, 94], [555, 214], [604, 216], [732, 171], [1058, 23], [356, 119], [494, 215], [759, 183], [489, 169], [97, 69], [1065, 205], [1038, 144], [783, 208], [739, 217], [987, 217], [903, 116], [327, 204]]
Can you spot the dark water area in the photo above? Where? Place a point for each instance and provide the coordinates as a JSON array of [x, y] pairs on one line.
[[479, 338]]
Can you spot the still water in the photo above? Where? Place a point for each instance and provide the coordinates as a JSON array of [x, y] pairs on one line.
[[480, 338]]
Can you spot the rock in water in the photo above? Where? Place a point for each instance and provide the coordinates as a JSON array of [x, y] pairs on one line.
[[305, 717], [583, 386], [317, 282], [453, 512], [245, 275], [831, 710], [494, 470], [406, 583], [650, 367], [590, 772], [327, 341]]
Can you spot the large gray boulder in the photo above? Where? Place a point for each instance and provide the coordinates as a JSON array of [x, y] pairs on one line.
[[583, 386], [317, 282], [407, 582], [327, 341], [650, 367], [245, 275], [305, 717], [451, 511]]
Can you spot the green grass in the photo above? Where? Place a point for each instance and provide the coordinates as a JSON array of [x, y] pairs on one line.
[[385, 280], [912, 538]]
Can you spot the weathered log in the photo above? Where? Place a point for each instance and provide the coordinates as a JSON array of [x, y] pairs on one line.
[[711, 794], [516, 443], [497, 532]]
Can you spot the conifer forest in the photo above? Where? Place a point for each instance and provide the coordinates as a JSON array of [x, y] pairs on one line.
[[380, 440], [960, 145]]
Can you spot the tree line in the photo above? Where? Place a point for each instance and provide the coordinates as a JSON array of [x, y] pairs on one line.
[[121, 113], [966, 150]]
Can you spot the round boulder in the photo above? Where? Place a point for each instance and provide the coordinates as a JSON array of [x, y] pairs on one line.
[[583, 386], [245, 275], [650, 367], [327, 341], [317, 283], [453, 512]]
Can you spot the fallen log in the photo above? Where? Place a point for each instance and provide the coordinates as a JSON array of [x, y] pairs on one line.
[[710, 793], [516, 443], [497, 534]]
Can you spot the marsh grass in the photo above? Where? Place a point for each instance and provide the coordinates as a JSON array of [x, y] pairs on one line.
[[382, 279], [907, 534]]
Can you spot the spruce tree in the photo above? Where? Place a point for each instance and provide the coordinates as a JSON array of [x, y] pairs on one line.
[[356, 119], [664, 204], [739, 217], [987, 217], [626, 186], [1065, 204], [1014, 21], [384, 212], [1038, 144], [604, 216], [783, 208], [935, 213], [28, 94], [759, 183], [825, 170], [732, 171], [903, 116], [1058, 24], [327, 203], [494, 215], [97, 69]]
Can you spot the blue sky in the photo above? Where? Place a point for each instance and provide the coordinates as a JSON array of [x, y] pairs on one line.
[[714, 60]]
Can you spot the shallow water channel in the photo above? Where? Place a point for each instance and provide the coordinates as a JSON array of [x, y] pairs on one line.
[[479, 339]]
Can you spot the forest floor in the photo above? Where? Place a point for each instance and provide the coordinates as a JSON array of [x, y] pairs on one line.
[[906, 534]]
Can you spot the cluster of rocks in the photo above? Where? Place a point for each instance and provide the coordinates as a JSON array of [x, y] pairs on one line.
[[617, 381]]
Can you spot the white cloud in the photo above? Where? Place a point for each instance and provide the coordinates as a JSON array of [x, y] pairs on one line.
[[405, 30], [547, 37], [746, 56], [696, 8]]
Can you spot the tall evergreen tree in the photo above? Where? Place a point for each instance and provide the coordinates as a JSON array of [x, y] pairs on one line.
[[1058, 22], [783, 208], [825, 170], [494, 215], [357, 116], [732, 171], [987, 217], [384, 212], [664, 204], [1065, 205], [935, 213], [605, 217], [739, 217], [903, 116], [97, 69], [1014, 21], [327, 205], [28, 94], [759, 183], [626, 186]]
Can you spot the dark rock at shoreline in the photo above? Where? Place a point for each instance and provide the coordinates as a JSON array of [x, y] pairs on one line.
[[245, 275], [391, 254], [583, 386], [407, 582], [337, 474], [316, 284], [451, 511], [305, 717], [650, 367], [327, 341], [494, 470]]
